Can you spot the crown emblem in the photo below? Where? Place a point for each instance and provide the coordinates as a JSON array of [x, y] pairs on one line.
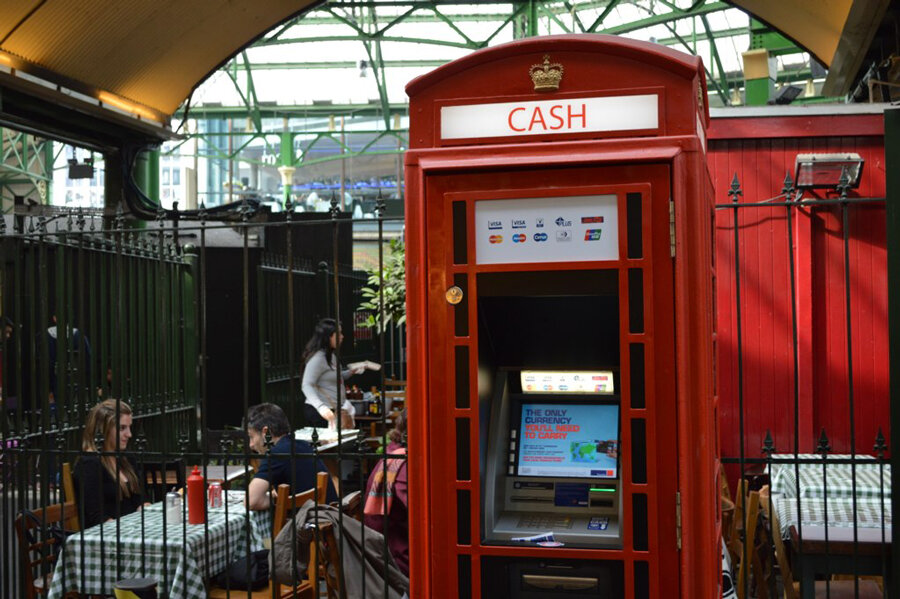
[[546, 76]]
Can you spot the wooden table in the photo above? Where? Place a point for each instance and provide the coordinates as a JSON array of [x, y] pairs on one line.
[[815, 556], [180, 556]]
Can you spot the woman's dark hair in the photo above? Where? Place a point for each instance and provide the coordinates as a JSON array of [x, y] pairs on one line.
[[321, 339], [398, 433]]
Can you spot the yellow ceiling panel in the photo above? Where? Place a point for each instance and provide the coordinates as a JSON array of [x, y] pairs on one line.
[[815, 25], [151, 53], [837, 33]]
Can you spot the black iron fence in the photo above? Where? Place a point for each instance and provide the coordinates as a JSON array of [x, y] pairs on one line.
[[800, 518], [190, 323]]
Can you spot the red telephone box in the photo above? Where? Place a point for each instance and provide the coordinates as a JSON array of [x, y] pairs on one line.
[[562, 435]]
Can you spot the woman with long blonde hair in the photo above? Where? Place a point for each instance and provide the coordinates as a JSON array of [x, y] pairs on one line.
[[103, 468]]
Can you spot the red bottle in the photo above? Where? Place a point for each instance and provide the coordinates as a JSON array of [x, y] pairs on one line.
[[196, 497]]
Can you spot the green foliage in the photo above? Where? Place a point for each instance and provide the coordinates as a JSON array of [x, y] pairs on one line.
[[393, 297]]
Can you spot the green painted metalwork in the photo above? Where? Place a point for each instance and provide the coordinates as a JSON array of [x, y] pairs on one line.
[[762, 37], [26, 166], [111, 303], [373, 23]]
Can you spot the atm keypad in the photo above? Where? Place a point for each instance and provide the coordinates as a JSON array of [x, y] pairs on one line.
[[543, 521]]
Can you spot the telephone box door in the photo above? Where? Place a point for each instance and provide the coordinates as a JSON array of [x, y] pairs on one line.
[[632, 281]]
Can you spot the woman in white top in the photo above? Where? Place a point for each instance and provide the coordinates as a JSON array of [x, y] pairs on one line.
[[323, 394]]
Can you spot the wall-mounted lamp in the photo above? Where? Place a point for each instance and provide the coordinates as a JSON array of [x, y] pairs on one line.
[[825, 170]]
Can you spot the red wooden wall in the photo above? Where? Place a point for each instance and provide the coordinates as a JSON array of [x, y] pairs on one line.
[[761, 150]]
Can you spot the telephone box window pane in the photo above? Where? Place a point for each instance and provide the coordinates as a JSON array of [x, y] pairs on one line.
[[641, 580], [462, 449], [461, 310], [463, 518], [636, 300], [634, 225], [460, 236], [639, 450], [462, 377], [639, 513], [636, 359], [464, 576]]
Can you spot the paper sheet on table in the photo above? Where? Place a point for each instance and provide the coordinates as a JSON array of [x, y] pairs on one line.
[[368, 365], [325, 435]]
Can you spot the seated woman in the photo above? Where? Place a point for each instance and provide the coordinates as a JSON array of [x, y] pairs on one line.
[[386, 493], [106, 486]]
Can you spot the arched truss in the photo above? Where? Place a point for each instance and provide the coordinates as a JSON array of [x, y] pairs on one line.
[[276, 102]]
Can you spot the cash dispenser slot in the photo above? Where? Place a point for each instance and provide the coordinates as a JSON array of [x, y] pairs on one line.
[[558, 583]]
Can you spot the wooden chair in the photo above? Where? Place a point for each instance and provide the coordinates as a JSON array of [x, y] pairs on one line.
[[284, 504], [325, 559], [732, 535], [37, 548], [352, 505], [69, 495], [160, 477], [752, 511], [838, 589]]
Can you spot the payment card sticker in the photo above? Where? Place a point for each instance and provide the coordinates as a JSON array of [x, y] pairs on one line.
[[550, 229], [598, 523]]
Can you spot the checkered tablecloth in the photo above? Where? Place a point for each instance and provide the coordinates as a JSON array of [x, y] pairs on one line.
[[181, 562], [839, 513], [817, 479]]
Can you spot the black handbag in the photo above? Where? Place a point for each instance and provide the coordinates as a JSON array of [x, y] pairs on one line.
[[248, 573]]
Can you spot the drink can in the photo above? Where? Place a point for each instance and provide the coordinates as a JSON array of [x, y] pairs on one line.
[[215, 494], [173, 508]]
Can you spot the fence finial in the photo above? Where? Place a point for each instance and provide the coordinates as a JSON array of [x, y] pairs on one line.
[[768, 447], [844, 183], [735, 192], [379, 205], [245, 210], [880, 445], [141, 441], [822, 447], [788, 189], [335, 208]]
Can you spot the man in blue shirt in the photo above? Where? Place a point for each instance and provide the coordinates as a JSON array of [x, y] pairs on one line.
[[279, 466]]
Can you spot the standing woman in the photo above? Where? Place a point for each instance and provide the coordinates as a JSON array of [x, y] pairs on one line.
[[106, 486], [324, 397]]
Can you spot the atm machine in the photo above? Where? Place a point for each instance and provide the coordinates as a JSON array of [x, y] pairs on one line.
[[552, 462], [561, 406]]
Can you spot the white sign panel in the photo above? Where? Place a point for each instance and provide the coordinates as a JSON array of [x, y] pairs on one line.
[[555, 381], [563, 229], [573, 115]]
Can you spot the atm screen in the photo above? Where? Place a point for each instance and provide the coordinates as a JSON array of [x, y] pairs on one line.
[[567, 440]]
